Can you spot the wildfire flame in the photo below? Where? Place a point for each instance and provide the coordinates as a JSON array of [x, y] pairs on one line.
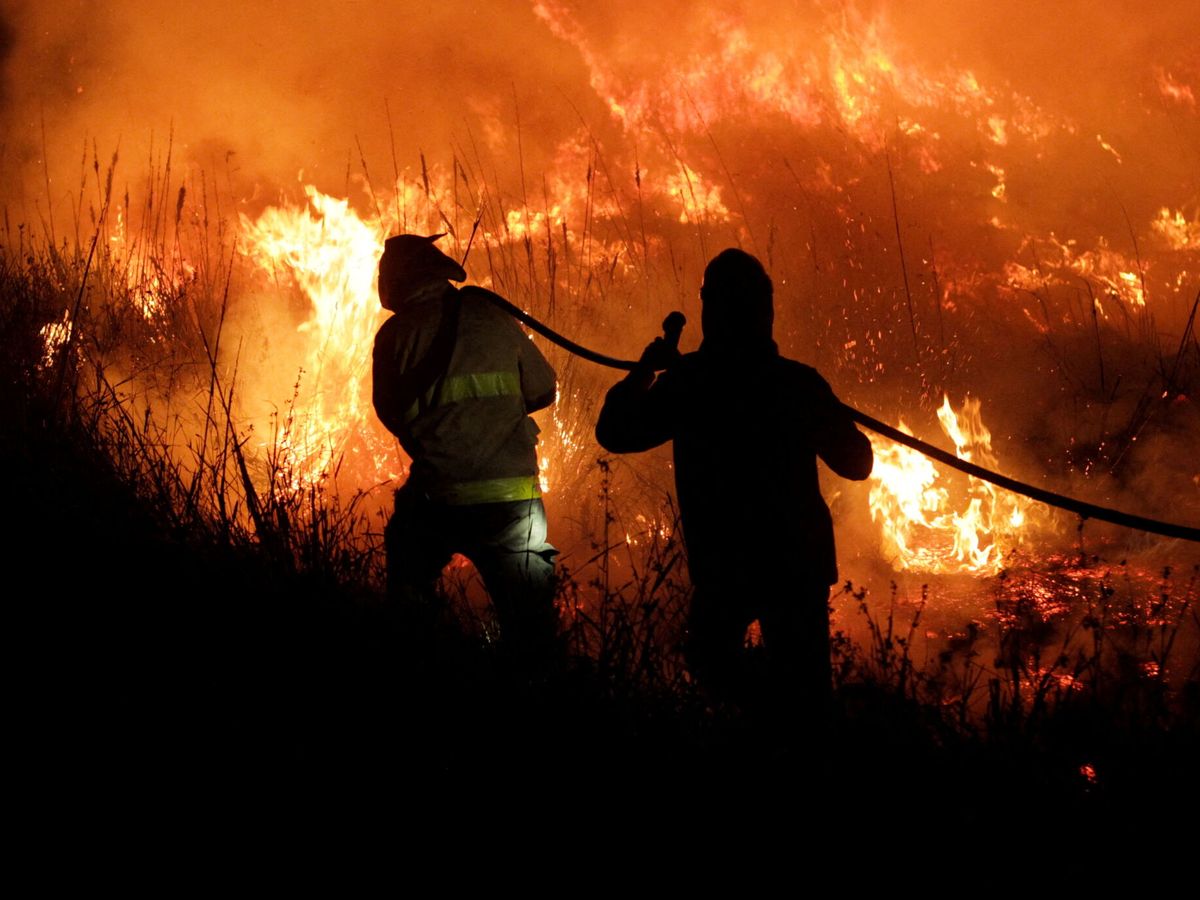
[[1179, 233], [331, 254], [1174, 90], [931, 527], [778, 130], [152, 273], [54, 335], [1059, 262]]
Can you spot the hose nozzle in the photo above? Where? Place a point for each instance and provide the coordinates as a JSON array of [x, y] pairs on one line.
[[672, 328]]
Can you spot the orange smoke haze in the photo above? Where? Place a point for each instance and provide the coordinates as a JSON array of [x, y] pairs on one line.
[[994, 198], [267, 91]]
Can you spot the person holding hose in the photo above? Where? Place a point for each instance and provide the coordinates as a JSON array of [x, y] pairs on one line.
[[454, 379], [748, 426]]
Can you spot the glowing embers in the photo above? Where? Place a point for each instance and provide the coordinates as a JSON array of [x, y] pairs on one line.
[[1178, 232], [648, 530], [54, 335], [1173, 89], [1107, 273], [153, 276], [936, 525], [699, 202]]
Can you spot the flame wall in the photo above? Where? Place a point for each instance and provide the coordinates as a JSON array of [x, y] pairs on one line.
[[995, 197]]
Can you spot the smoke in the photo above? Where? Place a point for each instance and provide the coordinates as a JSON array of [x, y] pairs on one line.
[[7, 40], [277, 88], [943, 193], [261, 93]]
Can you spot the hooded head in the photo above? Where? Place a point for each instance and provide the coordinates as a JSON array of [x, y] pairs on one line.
[[737, 303], [410, 264]]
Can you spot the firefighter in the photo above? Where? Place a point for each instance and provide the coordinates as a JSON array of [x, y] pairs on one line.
[[454, 379], [748, 426]]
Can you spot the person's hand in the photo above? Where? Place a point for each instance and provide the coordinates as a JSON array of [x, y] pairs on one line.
[[658, 355]]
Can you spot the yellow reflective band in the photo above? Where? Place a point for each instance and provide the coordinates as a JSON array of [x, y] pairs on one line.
[[475, 386], [490, 490], [480, 385]]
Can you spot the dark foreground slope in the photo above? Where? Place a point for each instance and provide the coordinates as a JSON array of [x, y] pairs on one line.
[[168, 687]]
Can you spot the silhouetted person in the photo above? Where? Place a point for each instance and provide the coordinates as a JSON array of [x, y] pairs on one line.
[[747, 426], [454, 379]]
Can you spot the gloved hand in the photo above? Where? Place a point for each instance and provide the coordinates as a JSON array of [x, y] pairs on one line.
[[658, 355]]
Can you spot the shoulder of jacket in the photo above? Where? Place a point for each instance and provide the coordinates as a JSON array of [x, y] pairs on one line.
[[482, 302], [475, 293], [804, 377], [387, 331], [797, 369]]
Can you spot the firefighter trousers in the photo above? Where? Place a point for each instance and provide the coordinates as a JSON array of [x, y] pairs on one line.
[[505, 541]]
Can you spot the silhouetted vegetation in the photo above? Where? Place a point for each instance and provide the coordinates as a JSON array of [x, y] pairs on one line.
[[206, 625]]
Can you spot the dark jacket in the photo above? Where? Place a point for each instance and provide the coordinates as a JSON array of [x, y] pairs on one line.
[[747, 430], [454, 379]]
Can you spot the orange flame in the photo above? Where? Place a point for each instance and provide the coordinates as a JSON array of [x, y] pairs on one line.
[[928, 527], [54, 335], [1179, 233], [1172, 89], [151, 276], [332, 255], [1114, 275]]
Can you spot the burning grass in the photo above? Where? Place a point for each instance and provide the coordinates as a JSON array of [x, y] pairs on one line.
[[141, 358], [160, 341]]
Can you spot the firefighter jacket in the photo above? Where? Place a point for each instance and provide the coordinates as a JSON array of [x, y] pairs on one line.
[[454, 378], [748, 426]]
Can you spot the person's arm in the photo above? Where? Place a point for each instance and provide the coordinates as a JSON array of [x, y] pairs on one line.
[[637, 411], [539, 385], [390, 406], [845, 449]]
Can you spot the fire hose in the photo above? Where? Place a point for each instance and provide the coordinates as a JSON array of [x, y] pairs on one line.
[[673, 327]]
